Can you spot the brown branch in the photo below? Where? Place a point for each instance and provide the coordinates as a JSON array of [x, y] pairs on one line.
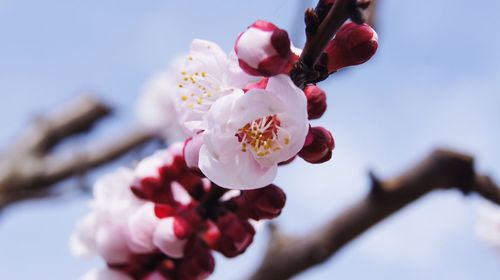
[[45, 132], [316, 44], [28, 168], [288, 256], [320, 30]]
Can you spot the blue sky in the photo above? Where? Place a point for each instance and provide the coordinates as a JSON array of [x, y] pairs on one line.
[[433, 83]]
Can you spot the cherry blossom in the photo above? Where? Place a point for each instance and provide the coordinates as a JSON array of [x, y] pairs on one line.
[[247, 134], [104, 231], [241, 116], [156, 105], [207, 74]]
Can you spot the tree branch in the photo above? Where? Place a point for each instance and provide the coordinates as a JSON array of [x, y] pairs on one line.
[[288, 256], [28, 168], [321, 25]]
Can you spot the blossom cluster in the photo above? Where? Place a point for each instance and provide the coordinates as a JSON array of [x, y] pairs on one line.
[[241, 116], [162, 221], [244, 114]]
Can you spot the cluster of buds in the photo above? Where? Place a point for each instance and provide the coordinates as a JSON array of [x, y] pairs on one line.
[[242, 110], [162, 220]]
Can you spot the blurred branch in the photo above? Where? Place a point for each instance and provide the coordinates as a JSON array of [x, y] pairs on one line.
[[28, 168], [287, 256]]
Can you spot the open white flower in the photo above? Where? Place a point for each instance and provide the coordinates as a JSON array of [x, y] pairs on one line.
[[246, 135], [155, 108], [104, 231], [206, 75]]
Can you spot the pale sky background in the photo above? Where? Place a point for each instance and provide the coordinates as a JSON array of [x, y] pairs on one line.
[[433, 83]]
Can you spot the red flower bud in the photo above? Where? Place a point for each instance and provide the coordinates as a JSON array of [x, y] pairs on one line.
[[197, 264], [211, 236], [353, 44], [263, 49], [187, 224], [316, 101], [263, 203], [318, 146], [236, 234], [147, 187], [163, 211]]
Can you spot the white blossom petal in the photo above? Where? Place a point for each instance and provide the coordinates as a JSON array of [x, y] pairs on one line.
[[241, 173], [112, 244], [105, 274], [142, 225], [165, 239], [82, 241]]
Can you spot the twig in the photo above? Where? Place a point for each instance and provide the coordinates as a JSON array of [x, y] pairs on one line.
[[318, 36], [288, 256], [28, 168], [370, 14]]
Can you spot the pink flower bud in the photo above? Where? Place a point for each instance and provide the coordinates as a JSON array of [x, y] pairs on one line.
[[263, 49], [264, 203], [236, 234], [353, 44], [318, 146], [316, 101]]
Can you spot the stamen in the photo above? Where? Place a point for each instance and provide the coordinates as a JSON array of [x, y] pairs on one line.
[[262, 136], [203, 88]]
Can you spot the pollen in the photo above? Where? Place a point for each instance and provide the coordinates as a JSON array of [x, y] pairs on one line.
[[261, 136], [202, 89]]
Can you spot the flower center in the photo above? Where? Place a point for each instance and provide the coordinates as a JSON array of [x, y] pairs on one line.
[[262, 136], [198, 89]]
